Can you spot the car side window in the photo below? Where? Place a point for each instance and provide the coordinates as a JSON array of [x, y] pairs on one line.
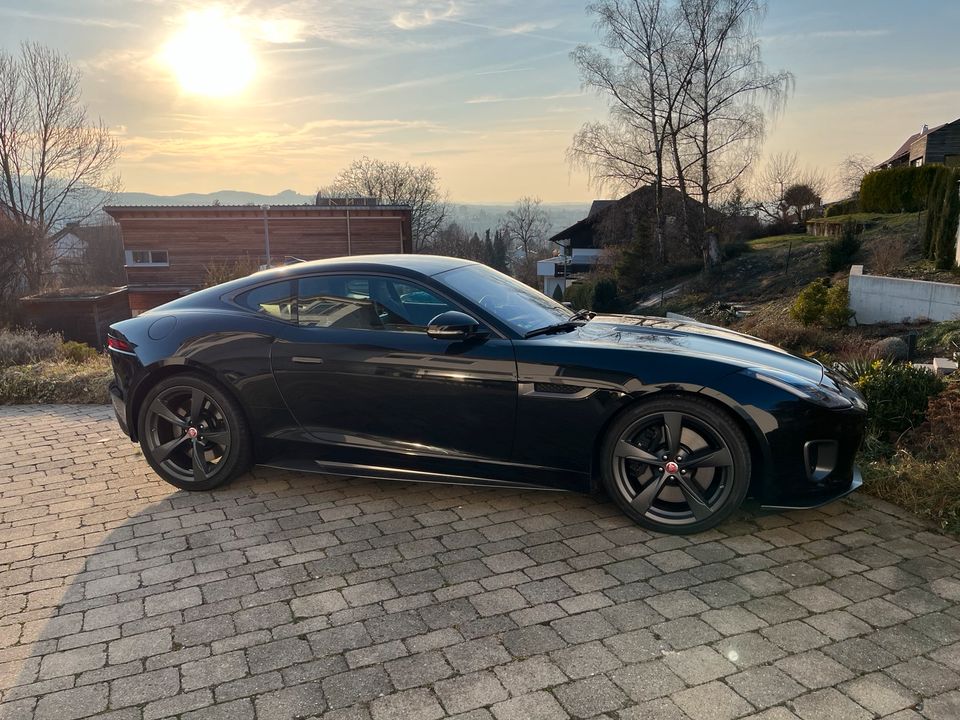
[[276, 300], [367, 303], [336, 301]]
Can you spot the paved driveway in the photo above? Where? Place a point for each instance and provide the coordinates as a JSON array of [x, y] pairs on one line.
[[290, 596]]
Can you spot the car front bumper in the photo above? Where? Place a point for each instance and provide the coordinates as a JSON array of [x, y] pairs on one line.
[[819, 498]]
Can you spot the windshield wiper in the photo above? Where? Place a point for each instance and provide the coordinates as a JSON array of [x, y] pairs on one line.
[[573, 321]]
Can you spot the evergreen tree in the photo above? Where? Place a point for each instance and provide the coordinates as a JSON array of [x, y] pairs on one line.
[[499, 257], [488, 251]]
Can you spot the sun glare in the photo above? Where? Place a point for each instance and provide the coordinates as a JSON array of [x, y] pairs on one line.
[[210, 55]]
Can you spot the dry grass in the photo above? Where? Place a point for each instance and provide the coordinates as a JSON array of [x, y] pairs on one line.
[[923, 474], [57, 381]]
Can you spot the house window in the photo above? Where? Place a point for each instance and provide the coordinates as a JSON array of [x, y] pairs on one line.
[[148, 258], [918, 162]]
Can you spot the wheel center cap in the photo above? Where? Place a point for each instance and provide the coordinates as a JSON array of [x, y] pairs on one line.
[[192, 433], [672, 468]]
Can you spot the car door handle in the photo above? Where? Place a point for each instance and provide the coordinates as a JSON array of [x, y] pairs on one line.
[[306, 360]]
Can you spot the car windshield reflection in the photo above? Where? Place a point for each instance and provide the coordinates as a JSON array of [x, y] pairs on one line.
[[517, 305]]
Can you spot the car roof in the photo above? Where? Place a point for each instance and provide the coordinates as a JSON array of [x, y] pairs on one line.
[[409, 265], [422, 264]]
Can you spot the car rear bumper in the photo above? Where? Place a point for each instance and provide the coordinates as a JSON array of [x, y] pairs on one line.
[[119, 407]]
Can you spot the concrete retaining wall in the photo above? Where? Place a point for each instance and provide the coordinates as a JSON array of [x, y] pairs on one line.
[[877, 299]]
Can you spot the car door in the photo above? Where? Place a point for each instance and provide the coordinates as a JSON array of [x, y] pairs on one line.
[[363, 378]]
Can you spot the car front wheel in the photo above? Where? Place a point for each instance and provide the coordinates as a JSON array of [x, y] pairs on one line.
[[676, 464], [193, 434]]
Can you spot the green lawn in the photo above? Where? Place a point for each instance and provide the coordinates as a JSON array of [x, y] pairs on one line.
[[778, 241]]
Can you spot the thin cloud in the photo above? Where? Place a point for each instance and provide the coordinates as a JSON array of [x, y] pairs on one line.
[[416, 19], [110, 23], [487, 99], [852, 34]]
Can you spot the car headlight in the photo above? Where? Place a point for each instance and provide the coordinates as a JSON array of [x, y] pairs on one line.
[[801, 387]]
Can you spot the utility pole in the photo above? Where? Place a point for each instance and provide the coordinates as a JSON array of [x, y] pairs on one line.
[[266, 232]]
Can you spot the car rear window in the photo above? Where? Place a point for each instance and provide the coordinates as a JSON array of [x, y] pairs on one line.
[[277, 300]]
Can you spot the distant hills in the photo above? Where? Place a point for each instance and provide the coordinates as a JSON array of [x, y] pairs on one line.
[[473, 217]]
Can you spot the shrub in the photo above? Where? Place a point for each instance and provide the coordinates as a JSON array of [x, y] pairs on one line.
[[77, 352], [941, 337], [899, 189], [843, 207], [838, 253], [57, 382], [21, 347], [836, 309], [808, 308], [887, 254], [221, 272], [897, 395], [598, 294]]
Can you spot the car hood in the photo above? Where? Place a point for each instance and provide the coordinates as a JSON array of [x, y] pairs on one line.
[[657, 334]]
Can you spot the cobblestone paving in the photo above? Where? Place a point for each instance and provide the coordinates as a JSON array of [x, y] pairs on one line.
[[291, 596]]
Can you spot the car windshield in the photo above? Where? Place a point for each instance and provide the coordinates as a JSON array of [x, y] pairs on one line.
[[519, 306]]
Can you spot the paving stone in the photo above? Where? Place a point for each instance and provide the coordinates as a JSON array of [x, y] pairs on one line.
[[468, 692], [419, 703], [686, 632], [677, 604], [712, 701], [943, 707], [590, 696], [72, 704], [828, 704], [925, 676], [583, 628], [525, 676], [297, 701], [213, 670], [749, 649], [355, 686], [699, 665], [532, 640], [764, 686], [535, 706], [794, 636], [839, 625], [419, 669], [814, 669], [476, 655], [144, 687], [645, 681], [579, 661], [879, 693]]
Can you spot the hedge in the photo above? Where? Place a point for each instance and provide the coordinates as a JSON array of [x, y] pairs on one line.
[[943, 212], [899, 189], [842, 207]]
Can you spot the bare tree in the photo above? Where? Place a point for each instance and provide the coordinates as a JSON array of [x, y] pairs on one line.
[[401, 184], [644, 85], [729, 93], [56, 163], [785, 190], [527, 226], [851, 172], [454, 241]]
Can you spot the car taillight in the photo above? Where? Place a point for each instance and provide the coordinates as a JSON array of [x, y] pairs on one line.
[[118, 344]]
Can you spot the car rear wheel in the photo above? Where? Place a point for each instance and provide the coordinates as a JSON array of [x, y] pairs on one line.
[[676, 465], [193, 434]]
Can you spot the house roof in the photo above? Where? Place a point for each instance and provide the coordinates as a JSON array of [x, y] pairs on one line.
[[904, 150], [308, 207], [600, 209]]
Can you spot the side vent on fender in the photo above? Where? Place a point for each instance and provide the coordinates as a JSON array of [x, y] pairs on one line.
[[556, 388]]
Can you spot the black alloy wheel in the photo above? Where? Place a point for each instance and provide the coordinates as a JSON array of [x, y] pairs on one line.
[[193, 434], [676, 465]]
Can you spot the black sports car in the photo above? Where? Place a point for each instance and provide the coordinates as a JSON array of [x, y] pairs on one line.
[[435, 369]]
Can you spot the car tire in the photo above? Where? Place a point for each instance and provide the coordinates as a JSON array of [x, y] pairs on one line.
[[676, 464], [193, 433]]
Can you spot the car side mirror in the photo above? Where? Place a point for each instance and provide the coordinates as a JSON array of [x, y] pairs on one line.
[[454, 325]]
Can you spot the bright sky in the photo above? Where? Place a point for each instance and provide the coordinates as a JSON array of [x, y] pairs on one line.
[[263, 95]]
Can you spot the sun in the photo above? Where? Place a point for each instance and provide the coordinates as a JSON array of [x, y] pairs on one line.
[[210, 55]]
